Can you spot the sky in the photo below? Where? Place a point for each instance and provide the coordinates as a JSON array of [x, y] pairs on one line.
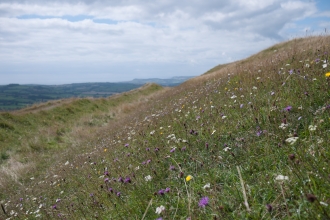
[[60, 42]]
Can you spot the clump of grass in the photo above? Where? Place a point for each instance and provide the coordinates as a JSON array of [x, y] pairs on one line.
[[248, 141]]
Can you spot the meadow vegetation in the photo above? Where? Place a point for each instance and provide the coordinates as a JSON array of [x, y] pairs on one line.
[[247, 140]]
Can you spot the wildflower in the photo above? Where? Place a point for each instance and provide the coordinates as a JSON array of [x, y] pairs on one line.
[[241, 106], [254, 88], [307, 65], [291, 71], [226, 149], [161, 192], [312, 127], [126, 145], [118, 194], [147, 178], [160, 209], [325, 65], [172, 150], [189, 177], [288, 108], [167, 190], [223, 117], [172, 167], [106, 180], [152, 132], [234, 96], [208, 185], [292, 140], [213, 132], [66, 163], [127, 180], [327, 74], [281, 178], [269, 207], [292, 156], [204, 201]]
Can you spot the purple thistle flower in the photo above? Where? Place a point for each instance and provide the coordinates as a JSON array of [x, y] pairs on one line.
[[54, 207], [288, 108], [156, 149], [161, 192], [168, 189], [291, 71], [91, 195], [106, 180], [172, 167], [127, 180], [120, 179], [110, 190], [148, 149], [118, 194], [172, 150], [148, 161], [183, 149], [126, 145], [204, 201], [106, 173]]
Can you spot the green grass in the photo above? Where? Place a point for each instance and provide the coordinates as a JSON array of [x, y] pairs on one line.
[[229, 129]]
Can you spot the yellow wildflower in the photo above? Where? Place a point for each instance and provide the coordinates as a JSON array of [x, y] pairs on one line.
[[189, 177], [327, 74]]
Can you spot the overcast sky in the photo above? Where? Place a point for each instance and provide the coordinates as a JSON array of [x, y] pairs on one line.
[[59, 42]]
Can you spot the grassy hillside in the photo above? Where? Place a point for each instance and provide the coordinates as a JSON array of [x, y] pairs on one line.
[[248, 140]]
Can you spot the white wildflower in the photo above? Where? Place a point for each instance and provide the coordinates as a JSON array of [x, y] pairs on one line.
[[234, 96], [223, 117], [152, 132], [254, 88], [312, 127], [281, 178], [160, 209], [207, 186], [292, 140], [137, 168], [283, 126], [226, 149], [66, 163], [148, 178], [325, 65], [307, 65], [213, 132]]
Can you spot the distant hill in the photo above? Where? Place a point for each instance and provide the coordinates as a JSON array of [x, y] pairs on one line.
[[174, 81], [16, 96]]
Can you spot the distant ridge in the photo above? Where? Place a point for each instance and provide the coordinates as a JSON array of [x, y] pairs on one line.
[[174, 81]]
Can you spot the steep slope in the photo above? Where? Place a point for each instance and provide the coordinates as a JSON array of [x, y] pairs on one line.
[[249, 140]]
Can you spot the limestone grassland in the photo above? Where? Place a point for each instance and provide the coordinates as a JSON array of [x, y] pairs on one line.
[[246, 140]]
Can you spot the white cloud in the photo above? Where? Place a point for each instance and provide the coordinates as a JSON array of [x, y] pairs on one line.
[[161, 34]]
